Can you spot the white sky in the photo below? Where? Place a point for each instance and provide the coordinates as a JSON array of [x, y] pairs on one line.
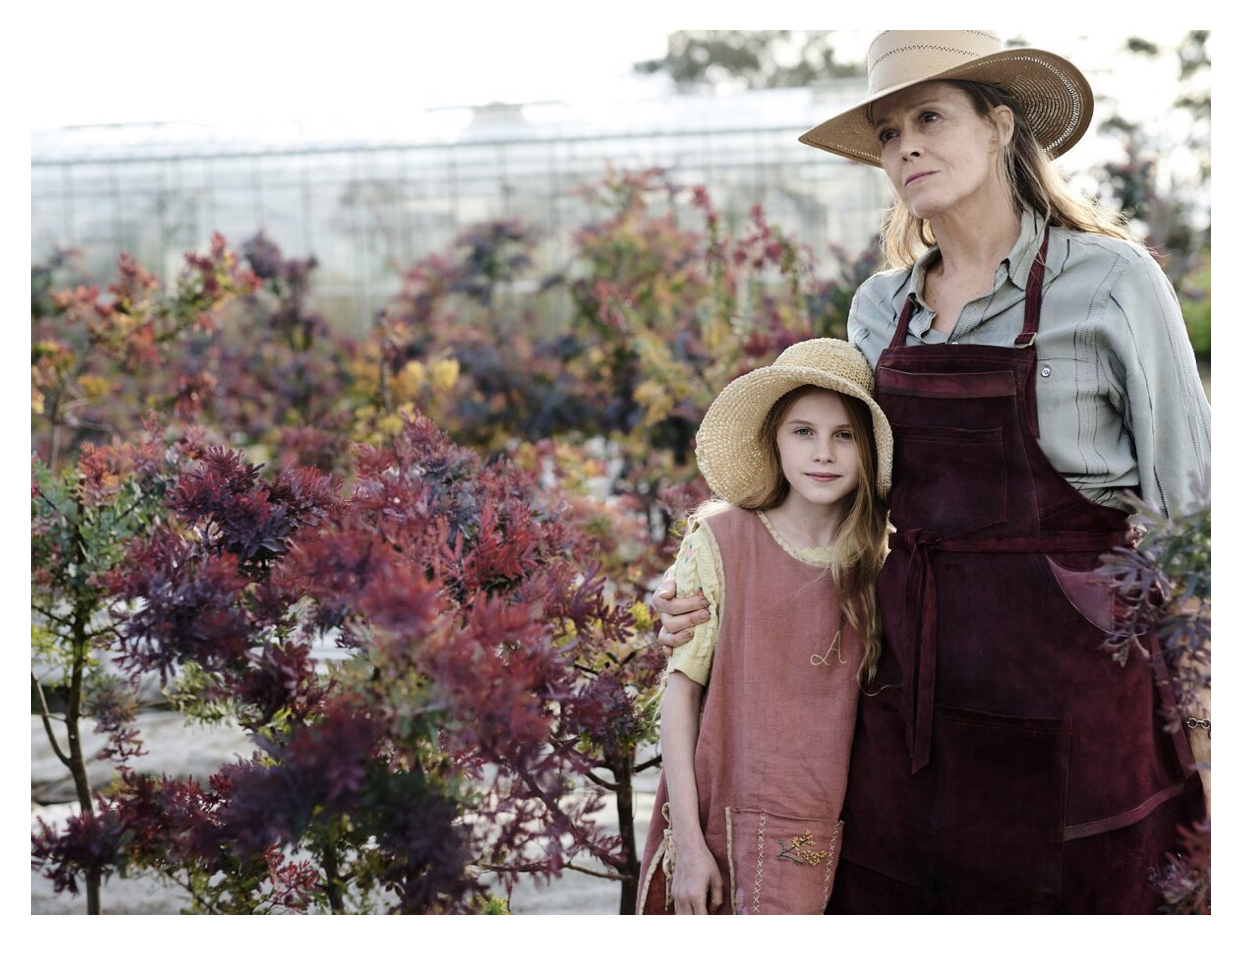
[[142, 61], [369, 62]]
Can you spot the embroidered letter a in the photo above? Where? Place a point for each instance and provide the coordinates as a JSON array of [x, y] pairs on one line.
[[818, 660]]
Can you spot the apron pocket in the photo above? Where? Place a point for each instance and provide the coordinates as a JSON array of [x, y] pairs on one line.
[[999, 819], [1087, 598], [780, 864], [949, 480]]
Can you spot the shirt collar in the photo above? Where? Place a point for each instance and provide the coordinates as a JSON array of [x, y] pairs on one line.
[[919, 273], [1022, 256], [1017, 264]]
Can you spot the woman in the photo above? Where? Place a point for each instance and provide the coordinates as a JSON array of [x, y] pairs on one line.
[[1034, 365]]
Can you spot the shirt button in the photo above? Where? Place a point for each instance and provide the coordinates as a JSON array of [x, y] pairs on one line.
[[1045, 371]]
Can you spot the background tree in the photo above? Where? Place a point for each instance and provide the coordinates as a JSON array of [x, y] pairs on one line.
[[1167, 198], [82, 519], [753, 59]]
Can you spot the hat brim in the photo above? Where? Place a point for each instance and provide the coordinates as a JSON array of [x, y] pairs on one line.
[[1054, 96], [728, 449]]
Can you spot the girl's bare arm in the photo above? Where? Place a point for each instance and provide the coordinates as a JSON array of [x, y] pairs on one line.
[[697, 884]]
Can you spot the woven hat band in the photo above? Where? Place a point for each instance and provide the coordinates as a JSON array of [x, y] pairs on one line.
[[898, 57]]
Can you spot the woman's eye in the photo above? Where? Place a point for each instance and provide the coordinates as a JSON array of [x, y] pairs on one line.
[[929, 115], [887, 134], [802, 431]]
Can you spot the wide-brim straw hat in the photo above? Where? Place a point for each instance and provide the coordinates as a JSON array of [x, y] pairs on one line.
[[730, 454], [1053, 95]]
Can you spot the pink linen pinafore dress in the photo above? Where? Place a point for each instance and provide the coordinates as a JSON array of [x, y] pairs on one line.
[[774, 737], [1002, 762]]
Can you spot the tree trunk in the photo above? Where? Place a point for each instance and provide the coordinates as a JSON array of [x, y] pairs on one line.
[[73, 715], [384, 400], [623, 775], [53, 419], [332, 880]]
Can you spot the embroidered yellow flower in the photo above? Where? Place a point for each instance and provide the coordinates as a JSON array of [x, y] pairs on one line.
[[797, 851]]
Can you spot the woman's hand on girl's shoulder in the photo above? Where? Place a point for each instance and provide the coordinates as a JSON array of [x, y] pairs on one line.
[[678, 617], [697, 885]]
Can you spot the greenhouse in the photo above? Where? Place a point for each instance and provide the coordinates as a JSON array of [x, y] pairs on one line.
[[368, 201]]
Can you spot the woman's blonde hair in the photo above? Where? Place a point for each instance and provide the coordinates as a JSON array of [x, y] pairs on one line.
[[860, 545], [1032, 182]]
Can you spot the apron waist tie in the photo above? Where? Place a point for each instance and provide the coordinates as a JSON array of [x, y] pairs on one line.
[[921, 600]]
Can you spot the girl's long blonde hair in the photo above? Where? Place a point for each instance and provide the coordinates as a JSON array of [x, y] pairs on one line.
[[861, 540], [1032, 182]]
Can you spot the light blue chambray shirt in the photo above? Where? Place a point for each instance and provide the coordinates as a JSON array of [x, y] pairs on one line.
[[1120, 401]]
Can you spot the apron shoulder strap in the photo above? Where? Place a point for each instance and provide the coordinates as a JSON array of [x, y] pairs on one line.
[[1034, 296], [903, 323]]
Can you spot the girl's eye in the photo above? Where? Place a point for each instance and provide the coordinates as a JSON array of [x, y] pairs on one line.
[[845, 435], [802, 431]]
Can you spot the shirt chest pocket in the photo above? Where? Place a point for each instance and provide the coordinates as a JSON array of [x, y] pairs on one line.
[[1081, 412]]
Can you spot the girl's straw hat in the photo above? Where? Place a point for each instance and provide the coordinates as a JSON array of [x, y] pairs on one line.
[[1054, 96], [728, 447]]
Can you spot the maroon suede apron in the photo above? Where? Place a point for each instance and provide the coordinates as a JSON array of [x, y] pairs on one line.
[[1002, 761]]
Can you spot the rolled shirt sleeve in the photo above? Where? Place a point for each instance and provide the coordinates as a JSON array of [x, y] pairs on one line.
[[1161, 397]]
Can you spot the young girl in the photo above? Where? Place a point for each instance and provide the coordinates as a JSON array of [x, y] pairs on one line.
[[758, 711]]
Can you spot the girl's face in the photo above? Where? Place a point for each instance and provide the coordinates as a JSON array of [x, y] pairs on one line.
[[818, 450], [936, 149]]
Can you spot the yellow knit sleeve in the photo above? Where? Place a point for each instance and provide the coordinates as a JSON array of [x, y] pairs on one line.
[[698, 568]]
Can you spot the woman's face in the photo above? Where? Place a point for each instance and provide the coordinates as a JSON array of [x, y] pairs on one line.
[[937, 151]]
